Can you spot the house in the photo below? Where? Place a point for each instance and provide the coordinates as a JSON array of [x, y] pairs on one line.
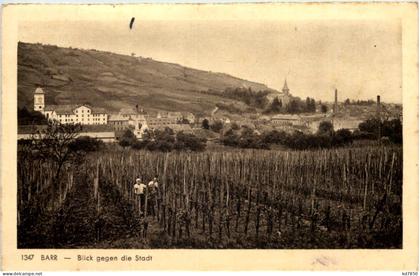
[[101, 132], [174, 117], [153, 122], [70, 114], [118, 122], [286, 120], [185, 128]]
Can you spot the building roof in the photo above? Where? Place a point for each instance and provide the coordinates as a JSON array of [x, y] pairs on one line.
[[285, 88], [285, 117], [116, 117], [97, 128], [174, 127], [128, 111], [174, 114], [63, 109], [159, 121], [69, 109], [39, 90]]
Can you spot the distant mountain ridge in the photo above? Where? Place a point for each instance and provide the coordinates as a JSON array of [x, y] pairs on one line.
[[115, 81]]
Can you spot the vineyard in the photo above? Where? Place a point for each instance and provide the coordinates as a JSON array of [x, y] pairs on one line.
[[336, 198]]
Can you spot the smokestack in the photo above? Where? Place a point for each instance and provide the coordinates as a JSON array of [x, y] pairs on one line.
[[335, 101], [378, 115]]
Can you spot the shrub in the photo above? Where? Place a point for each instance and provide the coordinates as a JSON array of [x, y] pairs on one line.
[[127, 139], [189, 141], [205, 124], [342, 136], [216, 126], [326, 128], [86, 144]]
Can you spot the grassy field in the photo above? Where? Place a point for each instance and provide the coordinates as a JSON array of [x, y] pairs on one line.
[[339, 198]]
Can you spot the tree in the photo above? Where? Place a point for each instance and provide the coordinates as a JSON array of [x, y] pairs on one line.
[[205, 124], [293, 106], [342, 137], [347, 101], [326, 128], [127, 139], [26, 117], [276, 105], [324, 108], [393, 130], [86, 144], [216, 126], [371, 125], [189, 141], [275, 137], [308, 104], [53, 143]]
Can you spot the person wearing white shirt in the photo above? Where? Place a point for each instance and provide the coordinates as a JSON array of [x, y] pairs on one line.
[[153, 190], [139, 190]]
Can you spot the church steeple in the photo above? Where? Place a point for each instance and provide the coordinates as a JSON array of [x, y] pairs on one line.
[[285, 88], [39, 103]]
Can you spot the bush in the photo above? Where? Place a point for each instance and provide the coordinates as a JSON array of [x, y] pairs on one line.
[[86, 144], [275, 137], [342, 137], [127, 139], [246, 139], [389, 128], [216, 126], [393, 130], [205, 124], [166, 141], [326, 128], [138, 145], [189, 141]]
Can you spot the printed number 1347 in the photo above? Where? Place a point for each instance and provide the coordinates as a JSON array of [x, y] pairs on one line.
[[27, 257]]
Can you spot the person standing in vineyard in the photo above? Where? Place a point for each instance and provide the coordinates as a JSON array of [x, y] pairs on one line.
[[153, 187], [139, 189]]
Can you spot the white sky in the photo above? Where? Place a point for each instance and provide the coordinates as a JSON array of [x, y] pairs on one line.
[[359, 58]]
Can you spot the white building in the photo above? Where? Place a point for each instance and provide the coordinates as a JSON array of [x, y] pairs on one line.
[[286, 120], [70, 114]]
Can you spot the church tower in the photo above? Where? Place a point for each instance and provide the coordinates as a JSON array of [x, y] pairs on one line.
[[285, 88], [39, 102]]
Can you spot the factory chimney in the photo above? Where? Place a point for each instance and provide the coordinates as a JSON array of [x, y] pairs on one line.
[[378, 115], [335, 102]]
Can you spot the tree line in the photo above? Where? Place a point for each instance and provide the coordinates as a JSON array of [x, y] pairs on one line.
[[163, 140], [325, 137]]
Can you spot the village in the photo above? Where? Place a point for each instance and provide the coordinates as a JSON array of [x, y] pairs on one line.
[[100, 124]]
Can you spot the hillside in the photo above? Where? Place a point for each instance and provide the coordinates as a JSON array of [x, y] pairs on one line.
[[114, 81]]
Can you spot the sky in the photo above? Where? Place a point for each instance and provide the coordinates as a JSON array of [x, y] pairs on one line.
[[361, 59]]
